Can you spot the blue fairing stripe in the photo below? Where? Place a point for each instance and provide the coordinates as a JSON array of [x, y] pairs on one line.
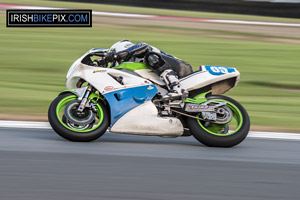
[[124, 100]]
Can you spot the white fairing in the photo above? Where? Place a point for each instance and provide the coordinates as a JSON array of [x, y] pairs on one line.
[[140, 120], [144, 120], [99, 78]]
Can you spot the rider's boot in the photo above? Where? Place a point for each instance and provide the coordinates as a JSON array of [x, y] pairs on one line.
[[173, 84]]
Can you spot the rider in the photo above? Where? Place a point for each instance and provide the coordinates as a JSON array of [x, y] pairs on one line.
[[163, 64]]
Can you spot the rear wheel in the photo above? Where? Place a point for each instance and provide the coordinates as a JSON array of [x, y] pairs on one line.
[[222, 135], [80, 127]]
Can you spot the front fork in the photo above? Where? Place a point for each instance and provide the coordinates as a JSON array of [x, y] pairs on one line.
[[85, 99]]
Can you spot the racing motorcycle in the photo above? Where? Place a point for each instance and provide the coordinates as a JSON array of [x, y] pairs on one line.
[[128, 97]]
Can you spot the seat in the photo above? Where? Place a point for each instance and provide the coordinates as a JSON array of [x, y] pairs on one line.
[[180, 67]]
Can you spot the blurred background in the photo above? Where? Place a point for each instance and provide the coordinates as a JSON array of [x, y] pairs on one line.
[[34, 61]]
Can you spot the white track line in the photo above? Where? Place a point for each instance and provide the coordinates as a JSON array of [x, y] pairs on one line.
[[274, 135], [10, 6], [24, 124], [46, 125]]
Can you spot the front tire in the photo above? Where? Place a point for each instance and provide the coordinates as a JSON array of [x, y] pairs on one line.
[[74, 132], [218, 135]]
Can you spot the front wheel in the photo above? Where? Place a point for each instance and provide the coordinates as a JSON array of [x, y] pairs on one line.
[[222, 135], [90, 125]]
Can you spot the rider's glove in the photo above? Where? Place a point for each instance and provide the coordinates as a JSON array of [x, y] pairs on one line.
[[110, 57], [101, 62]]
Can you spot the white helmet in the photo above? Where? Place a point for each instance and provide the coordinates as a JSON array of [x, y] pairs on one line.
[[120, 46]]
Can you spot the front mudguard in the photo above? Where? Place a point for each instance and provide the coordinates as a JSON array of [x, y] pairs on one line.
[[80, 92]]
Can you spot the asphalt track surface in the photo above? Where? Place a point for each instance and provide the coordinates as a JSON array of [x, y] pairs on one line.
[[38, 164]]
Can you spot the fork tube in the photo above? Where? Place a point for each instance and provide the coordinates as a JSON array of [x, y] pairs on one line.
[[84, 100]]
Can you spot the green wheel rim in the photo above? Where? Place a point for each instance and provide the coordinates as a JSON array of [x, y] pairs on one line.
[[216, 129], [61, 106]]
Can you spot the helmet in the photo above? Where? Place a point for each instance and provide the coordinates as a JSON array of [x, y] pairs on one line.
[[120, 46]]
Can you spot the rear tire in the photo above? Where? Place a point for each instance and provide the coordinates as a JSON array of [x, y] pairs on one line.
[[75, 132], [213, 137]]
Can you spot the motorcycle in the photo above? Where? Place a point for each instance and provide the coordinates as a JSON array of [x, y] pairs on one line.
[[128, 97]]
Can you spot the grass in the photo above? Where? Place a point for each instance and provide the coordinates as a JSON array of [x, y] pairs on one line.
[[150, 11], [34, 62]]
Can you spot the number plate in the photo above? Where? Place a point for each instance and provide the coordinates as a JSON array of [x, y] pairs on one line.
[[219, 70]]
